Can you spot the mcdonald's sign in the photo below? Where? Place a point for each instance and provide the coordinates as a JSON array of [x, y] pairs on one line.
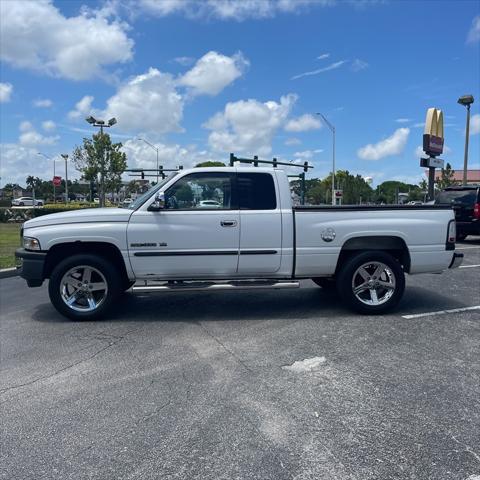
[[433, 135]]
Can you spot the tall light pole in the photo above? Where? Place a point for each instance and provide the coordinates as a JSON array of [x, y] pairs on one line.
[[101, 124], [53, 180], [154, 147], [65, 157], [466, 100], [332, 128]]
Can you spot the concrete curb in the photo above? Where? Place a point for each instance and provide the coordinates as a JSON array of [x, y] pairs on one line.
[[9, 272]]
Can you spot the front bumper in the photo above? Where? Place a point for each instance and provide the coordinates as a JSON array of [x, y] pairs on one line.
[[457, 260], [32, 266]]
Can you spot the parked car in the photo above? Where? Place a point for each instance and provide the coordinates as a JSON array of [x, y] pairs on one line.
[[27, 202], [465, 200], [209, 204], [127, 202], [257, 240]]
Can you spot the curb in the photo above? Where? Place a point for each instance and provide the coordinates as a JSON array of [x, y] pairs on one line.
[[9, 272]]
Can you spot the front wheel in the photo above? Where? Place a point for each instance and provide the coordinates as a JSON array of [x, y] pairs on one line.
[[83, 287], [371, 282]]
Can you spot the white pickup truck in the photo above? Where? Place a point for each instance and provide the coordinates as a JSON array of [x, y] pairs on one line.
[[232, 228]]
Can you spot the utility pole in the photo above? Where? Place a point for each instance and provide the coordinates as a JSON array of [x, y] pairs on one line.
[[466, 101], [65, 157]]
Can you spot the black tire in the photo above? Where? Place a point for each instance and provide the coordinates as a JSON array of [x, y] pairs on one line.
[[110, 274], [461, 236], [327, 283], [349, 275]]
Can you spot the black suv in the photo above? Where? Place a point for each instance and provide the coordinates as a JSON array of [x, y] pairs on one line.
[[465, 200]]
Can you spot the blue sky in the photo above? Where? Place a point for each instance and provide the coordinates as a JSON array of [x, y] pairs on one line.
[[201, 79]]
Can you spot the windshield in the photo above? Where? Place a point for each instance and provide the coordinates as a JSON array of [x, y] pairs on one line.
[[151, 191], [464, 197]]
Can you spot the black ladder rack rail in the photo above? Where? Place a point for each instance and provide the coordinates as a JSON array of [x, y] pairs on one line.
[[140, 172], [255, 161]]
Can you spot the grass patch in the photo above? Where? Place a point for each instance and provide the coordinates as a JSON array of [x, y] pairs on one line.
[[9, 242]]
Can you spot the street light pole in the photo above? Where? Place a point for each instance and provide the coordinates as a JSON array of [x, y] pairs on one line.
[[155, 148], [65, 156], [466, 101], [101, 123], [53, 180], [332, 128]]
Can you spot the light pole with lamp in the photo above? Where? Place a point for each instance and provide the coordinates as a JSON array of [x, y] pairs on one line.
[[53, 180], [154, 147], [466, 100], [101, 124], [332, 128]]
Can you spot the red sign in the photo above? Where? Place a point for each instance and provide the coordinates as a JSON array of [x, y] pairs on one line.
[[57, 181]]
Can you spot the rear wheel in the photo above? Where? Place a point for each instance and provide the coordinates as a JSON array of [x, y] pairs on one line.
[[371, 282], [83, 287]]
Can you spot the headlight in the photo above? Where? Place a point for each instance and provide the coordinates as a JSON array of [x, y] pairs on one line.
[[30, 243]]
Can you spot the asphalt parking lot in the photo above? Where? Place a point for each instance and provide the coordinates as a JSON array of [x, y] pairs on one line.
[[216, 386]]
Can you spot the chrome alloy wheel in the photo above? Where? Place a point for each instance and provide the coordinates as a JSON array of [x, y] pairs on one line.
[[83, 288], [373, 283]]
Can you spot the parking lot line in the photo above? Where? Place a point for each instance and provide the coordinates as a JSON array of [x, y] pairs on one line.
[[467, 248], [442, 312], [468, 266]]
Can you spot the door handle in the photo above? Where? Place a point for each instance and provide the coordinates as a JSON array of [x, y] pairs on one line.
[[228, 223]]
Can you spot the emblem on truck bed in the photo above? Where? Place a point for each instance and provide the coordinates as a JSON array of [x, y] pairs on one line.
[[328, 235]]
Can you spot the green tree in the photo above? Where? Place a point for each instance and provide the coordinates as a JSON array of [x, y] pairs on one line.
[[101, 161], [210, 164], [446, 177]]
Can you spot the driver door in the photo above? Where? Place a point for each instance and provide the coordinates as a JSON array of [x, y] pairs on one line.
[[196, 235]]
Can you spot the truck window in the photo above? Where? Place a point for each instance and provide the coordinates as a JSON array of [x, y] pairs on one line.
[[201, 191], [463, 197], [256, 191]]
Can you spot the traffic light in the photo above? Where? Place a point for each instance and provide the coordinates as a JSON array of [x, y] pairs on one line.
[[142, 175]]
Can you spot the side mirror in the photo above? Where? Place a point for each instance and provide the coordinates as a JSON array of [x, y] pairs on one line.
[[158, 204]]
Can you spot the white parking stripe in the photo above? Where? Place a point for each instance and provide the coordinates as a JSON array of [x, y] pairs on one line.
[[442, 312], [466, 248], [468, 266]]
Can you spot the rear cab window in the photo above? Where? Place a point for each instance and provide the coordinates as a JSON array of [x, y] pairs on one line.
[[256, 191], [464, 197]]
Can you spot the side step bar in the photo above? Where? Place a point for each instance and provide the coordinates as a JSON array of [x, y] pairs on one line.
[[203, 286]]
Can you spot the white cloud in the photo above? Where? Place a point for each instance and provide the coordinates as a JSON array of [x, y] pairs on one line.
[[475, 124], [36, 35], [49, 125], [358, 65], [30, 137], [213, 72], [304, 123], [392, 145], [140, 155], [419, 125], [307, 154], [323, 56], [292, 141], [6, 90], [238, 10], [403, 120], [474, 32], [184, 61], [147, 102], [20, 161], [332, 66], [42, 103], [83, 108], [248, 126]]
